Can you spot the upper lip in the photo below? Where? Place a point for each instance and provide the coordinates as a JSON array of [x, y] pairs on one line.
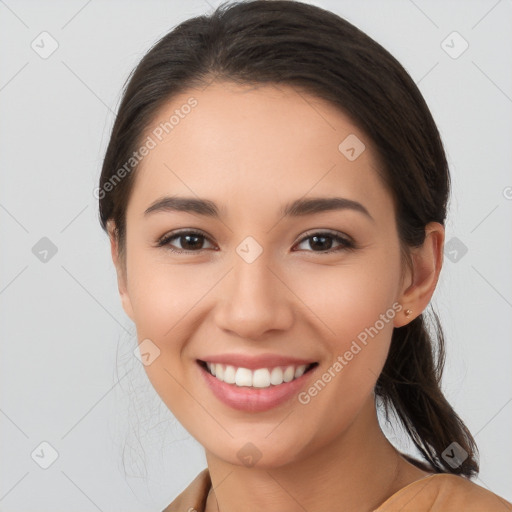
[[255, 362]]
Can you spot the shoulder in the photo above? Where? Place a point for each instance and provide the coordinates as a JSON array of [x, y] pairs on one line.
[[193, 498], [446, 493], [438, 492]]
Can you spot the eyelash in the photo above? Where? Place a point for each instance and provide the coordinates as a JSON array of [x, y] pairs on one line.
[[346, 244]]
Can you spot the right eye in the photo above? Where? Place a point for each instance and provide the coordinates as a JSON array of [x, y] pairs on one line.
[[190, 241]]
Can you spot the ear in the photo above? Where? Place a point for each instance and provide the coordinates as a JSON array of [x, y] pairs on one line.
[[120, 269], [421, 280]]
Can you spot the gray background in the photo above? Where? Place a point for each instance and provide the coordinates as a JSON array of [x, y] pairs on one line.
[[68, 374]]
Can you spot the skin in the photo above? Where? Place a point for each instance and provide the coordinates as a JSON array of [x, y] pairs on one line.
[[251, 150]]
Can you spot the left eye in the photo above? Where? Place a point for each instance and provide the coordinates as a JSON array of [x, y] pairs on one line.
[[323, 242], [191, 241]]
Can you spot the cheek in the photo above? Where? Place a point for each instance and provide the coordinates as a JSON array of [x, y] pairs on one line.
[[162, 294], [350, 297], [354, 304]]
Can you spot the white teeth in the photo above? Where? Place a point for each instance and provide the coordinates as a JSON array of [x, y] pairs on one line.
[[230, 374], [276, 376], [260, 378], [289, 373], [300, 370], [243, 377]]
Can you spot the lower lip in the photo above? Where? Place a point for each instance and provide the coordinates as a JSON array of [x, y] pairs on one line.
[[244, 398]]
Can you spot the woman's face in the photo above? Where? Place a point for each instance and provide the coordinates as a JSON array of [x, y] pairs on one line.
[[256, 281]]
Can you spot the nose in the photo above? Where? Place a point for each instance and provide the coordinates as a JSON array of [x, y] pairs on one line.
[[254, 300]]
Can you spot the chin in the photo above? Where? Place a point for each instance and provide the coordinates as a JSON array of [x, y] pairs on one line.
[[262, 453]]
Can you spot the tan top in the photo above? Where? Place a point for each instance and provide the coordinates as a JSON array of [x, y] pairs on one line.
[[439, 492]]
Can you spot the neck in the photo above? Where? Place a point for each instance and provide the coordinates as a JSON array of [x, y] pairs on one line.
[[356, 471]]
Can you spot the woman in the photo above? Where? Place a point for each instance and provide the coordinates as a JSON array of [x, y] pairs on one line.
[[275, 193]]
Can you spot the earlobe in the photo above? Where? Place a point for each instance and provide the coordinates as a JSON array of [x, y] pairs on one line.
[[126, 302], [120, 270], [427, 261]]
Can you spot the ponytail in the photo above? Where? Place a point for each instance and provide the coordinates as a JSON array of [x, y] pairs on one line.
[[410, 384]]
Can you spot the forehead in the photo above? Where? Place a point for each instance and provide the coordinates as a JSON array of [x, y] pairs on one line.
[[249, 141]]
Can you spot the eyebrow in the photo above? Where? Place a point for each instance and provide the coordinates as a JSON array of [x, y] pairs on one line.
[[297, 208]]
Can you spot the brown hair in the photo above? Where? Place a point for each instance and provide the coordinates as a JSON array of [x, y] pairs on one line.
[[301, 45]]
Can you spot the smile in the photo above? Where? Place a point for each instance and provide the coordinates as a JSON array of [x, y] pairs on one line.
[[258, 389], [259, 378]]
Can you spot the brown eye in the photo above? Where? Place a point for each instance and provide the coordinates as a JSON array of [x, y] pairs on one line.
[[189, 241], [323, 241]]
